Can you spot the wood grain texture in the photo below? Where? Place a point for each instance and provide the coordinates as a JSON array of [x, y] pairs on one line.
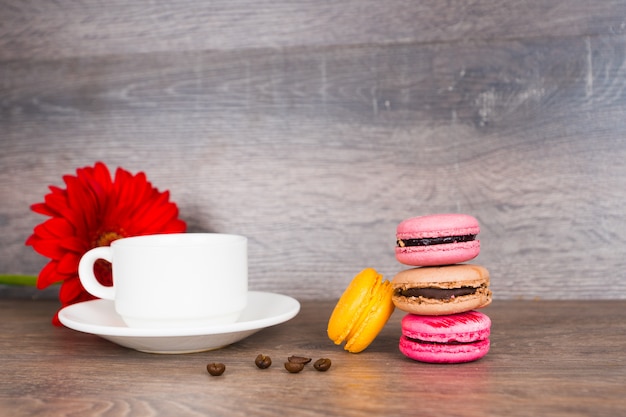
[[538, 365], [316, 136], [50, 30]]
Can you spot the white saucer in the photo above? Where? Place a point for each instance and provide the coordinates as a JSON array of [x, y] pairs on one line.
[[100, 318]]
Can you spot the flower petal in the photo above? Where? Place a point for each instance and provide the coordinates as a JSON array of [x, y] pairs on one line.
[[68, 264], [48, 275]]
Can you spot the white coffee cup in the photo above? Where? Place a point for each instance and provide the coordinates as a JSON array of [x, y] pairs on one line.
[[179, 280]]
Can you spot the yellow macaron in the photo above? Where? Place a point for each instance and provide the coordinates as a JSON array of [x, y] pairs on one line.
[[362, 311]]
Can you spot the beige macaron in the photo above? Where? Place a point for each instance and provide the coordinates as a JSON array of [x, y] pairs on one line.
[[439, 290]]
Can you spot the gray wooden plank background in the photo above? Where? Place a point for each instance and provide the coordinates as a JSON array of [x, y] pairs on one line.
[[314, 127]]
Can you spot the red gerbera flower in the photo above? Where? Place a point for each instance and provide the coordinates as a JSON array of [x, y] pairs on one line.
[[94, 210]]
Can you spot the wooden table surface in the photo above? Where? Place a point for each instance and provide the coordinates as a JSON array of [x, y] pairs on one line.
[[548, 358]]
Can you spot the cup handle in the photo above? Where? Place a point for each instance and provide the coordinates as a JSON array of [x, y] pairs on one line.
[[88, 278]]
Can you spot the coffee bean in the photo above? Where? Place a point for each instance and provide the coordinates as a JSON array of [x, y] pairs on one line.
[[294, 367], [263, 361], [216, 369], [299, 359], [322, 365]]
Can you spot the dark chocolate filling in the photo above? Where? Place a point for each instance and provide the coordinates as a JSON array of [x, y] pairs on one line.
[[427, 241], [436, 293]]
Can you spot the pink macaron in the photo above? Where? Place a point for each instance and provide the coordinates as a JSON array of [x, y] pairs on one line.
[[437, 239], [454, 338]]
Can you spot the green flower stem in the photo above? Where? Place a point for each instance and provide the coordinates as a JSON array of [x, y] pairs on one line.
[[25, 280]]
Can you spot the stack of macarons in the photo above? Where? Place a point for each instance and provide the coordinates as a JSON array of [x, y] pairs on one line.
[[440, 294]]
